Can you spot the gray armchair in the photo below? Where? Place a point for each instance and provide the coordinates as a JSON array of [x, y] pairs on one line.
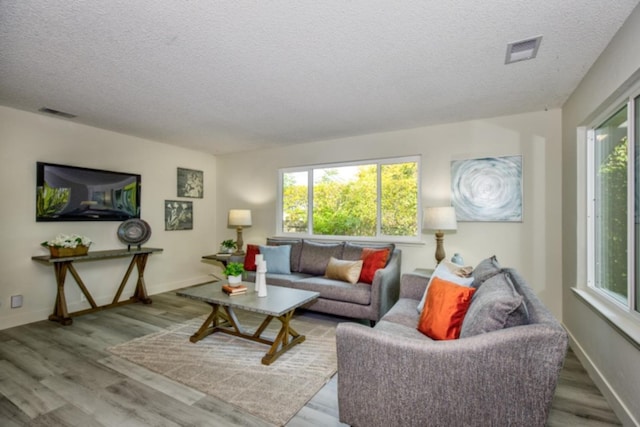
[[393, 375]]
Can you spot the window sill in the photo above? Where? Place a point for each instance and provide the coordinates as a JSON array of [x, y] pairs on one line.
[[624, 323]]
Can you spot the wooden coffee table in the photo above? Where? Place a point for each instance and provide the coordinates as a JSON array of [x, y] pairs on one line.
[[280, 303]]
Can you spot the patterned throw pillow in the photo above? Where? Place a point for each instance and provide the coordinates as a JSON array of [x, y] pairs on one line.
[[346, 271], [445, 309], [372, 261]]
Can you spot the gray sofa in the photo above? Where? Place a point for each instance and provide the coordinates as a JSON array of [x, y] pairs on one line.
[[309, 260], [394, 375]]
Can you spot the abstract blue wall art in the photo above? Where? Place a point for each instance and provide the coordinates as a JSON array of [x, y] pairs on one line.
[[487, 189]]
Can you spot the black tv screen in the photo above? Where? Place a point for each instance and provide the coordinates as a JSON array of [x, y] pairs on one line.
[[71, 193]]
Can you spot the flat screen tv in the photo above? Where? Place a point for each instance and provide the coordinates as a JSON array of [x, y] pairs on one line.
[[71, 193]]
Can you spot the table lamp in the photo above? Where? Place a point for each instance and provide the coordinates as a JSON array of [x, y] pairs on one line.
[[239, 218], [440, 219]]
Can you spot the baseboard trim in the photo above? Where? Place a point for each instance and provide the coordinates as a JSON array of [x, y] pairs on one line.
[[620, 409]]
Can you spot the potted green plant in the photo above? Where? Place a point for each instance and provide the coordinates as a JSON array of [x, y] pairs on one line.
[[234, 271], [227, 246]]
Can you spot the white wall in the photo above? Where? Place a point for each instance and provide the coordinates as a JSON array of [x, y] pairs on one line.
[[249, 180], [610, 359], [26, 138]]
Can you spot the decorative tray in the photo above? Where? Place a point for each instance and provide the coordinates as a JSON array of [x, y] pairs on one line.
[[134, 231]]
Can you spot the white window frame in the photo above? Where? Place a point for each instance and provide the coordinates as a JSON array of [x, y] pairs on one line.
[[623, 312], [378, 237]]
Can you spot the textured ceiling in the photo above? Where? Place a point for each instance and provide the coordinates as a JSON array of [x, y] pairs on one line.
[[235, 75]]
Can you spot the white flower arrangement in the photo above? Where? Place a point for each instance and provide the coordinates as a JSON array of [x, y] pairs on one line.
[[66, 241]]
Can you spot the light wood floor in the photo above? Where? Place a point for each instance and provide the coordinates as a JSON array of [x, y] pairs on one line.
[[51, 375]]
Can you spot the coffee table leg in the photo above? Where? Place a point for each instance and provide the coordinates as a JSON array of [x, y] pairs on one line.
[[282, 343], [209, 326]]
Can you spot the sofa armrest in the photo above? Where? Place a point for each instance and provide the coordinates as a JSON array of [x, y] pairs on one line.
[[385, 287], [509, 374]]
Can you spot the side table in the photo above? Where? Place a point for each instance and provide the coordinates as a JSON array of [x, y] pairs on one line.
[[224, 258]]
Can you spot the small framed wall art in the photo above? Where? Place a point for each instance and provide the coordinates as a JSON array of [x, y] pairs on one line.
[[190, 183], [487, 189], [178, 215]]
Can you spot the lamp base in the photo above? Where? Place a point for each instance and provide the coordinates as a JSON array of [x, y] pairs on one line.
[[239, 242], [440, 254]]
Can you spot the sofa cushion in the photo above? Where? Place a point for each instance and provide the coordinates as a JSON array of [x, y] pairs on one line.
[[359, 293], [496, 305], [397, 330], [445, 309], [250, 257], [347, 271], [278, 258], [373, 260], [296, 248], [404, 313], [314, 256], [448, 271], [485, 270], [353, 251]]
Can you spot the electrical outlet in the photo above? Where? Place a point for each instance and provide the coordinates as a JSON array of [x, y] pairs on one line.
[[16, 301]]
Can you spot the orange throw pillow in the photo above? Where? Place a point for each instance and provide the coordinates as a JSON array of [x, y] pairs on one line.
[[250, 257], [372, 261], [444, 310]]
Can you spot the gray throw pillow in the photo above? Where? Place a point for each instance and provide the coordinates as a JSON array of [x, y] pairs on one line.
[[495, 305], [315, 256], [485, 270]]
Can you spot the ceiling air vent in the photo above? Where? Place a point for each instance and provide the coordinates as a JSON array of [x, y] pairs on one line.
[[57, 113], [522, 50]]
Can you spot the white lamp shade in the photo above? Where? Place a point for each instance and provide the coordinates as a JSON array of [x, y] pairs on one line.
[[239, 217], [440, 219]]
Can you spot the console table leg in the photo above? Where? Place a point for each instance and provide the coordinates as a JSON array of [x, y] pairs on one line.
[[141, 288], [60, 313]]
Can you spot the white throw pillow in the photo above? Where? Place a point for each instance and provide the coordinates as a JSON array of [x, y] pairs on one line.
[[445, 271]]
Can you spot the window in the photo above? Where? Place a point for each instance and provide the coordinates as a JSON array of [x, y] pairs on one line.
[[614, 175], [373, 199]]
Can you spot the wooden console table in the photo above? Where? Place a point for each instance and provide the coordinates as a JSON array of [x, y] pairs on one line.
[[63, 264]]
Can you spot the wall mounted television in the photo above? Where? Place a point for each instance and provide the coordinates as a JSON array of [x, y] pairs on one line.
[[72, 193]]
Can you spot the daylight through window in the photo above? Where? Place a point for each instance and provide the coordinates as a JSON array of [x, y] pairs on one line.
[[614, 175], [374, 199]]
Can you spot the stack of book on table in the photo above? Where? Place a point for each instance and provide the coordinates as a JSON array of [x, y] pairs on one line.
[[234, 290]]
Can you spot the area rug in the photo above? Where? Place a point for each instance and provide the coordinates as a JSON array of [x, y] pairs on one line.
[[230, 368]]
